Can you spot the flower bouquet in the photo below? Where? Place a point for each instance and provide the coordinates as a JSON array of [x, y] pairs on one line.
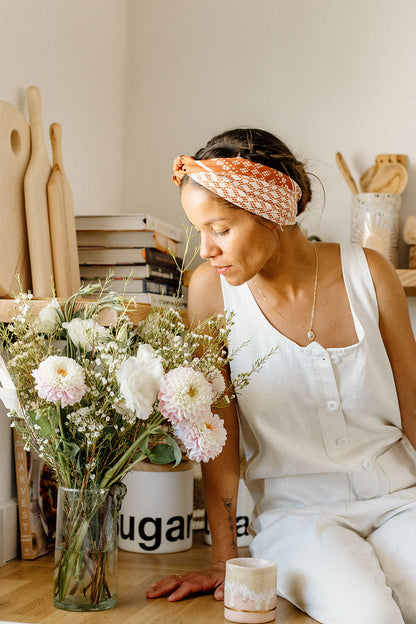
[[94, 399]]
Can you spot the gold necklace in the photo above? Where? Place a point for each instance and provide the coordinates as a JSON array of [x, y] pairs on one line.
[[310, 334]]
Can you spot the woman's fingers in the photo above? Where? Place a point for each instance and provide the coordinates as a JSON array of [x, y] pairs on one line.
[[164, 587], [185, 589], [219, 592], [178, 587]]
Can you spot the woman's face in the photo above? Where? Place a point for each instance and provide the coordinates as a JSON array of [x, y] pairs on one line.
[[237, 245]]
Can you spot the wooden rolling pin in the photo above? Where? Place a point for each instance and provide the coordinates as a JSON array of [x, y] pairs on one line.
[[36, 201]]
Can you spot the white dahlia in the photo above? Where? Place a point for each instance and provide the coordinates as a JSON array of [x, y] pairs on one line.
[[185, 394], [203, 440], [60, 379]]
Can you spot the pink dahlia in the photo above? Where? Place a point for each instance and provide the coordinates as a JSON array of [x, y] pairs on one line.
[[203, 440], [60, 379], [185, 394]]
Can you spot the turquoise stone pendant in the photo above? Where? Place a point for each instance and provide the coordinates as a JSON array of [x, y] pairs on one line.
[[311, 335]]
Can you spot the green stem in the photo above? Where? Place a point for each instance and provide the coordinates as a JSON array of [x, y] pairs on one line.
[[64, 463], [119, 469]]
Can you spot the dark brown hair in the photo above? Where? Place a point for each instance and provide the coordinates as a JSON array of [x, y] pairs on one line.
[[262, 147]]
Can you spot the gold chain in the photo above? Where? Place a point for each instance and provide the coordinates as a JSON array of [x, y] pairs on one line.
[[310, 334]]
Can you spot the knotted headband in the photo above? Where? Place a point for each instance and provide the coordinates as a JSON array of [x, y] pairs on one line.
[[261, 190]]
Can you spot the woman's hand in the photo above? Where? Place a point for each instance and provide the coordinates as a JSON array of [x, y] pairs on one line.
[[177, 587]]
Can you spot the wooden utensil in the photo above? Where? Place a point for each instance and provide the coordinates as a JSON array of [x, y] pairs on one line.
[[14, 156], [389, 178], [35, 183], [59, 239], [383, 159], [366, 178], [55, 132], [343, 167]]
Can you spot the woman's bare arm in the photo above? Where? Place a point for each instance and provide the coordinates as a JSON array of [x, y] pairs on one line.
[[398, 337], [220, 475]]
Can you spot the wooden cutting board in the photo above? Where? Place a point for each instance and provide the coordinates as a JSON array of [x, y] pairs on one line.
[[55, 132], [35, 183], [59, 239], [14, 156]]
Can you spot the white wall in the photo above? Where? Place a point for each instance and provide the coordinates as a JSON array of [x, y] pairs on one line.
[[75, 52], [325, 75]]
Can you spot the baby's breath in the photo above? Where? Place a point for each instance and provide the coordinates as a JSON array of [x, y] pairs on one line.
[[96, 434]]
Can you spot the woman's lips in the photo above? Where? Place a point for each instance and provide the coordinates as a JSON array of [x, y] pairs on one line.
[[222, 269]]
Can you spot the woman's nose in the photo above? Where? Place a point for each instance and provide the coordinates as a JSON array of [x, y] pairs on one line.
[[208, 248]]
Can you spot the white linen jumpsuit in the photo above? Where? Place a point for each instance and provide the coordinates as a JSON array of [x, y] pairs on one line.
[[331, 473]]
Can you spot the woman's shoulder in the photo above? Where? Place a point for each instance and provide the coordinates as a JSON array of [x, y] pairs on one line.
[[385, 279], [205, 293]]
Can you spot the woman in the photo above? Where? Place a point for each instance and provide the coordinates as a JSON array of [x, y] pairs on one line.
[[328, 425]]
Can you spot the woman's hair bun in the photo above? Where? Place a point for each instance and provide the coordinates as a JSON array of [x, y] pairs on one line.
[[262, 147]]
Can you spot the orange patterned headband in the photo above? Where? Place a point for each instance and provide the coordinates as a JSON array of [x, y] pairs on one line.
[[259, 189]]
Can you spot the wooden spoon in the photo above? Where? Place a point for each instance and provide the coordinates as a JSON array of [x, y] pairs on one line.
[[367, 177], [343, 167], [389, 178]]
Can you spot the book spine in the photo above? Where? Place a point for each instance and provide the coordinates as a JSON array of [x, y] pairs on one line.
[[156, 299], [159, 272], [106, 256], [158, 258], [111, 222], [165, 244], [161, 288], [162, 226], [94, 272], [23, 496]]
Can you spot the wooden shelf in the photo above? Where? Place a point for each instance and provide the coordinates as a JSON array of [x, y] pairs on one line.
[[408, 280], [136, 312], [139, 311]]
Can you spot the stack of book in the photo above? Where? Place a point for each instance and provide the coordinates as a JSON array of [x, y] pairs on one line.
[[136, 249]]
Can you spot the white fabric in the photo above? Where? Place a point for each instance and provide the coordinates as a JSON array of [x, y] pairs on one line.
[[324, 445]]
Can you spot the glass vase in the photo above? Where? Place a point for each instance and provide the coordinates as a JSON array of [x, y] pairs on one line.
[[85, 577]]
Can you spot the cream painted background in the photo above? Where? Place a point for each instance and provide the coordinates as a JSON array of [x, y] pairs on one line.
[[135, 82]]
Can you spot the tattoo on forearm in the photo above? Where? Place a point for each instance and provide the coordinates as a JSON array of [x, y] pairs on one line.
[[228, 503]]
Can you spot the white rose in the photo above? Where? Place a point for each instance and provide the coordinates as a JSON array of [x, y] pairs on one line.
[[8, 392], [48, 318], [85, 332], [140, 378]]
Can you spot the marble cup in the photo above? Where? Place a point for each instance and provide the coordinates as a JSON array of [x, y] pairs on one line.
[[250, 590]]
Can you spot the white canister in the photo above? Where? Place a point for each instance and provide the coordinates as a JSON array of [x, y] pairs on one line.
[[244, 513], [156, 513], [375, 220]]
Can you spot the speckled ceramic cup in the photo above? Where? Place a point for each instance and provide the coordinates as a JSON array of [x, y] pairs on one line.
[[375, 222], [250, 590]]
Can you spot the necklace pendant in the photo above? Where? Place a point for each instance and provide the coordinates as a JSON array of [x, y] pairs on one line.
[[311, 335]]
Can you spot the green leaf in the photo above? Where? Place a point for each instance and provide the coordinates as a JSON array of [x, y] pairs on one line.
[[166, 453], [71, 449], [45, 419]]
